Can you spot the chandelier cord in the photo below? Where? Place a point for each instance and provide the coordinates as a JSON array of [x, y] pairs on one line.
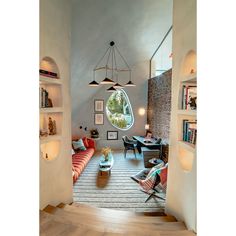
[[108, 59], [112, 62], [101, 59], [115, 65], [122, 57]]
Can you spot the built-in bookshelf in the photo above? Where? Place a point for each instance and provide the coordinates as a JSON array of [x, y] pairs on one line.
[[51, 109], [187, 113]]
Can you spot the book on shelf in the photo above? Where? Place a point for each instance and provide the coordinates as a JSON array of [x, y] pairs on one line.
[[190, 131], [45, 101], [189, 97], [48, 74]]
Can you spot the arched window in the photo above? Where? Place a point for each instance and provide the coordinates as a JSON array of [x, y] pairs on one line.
[[119, 111]]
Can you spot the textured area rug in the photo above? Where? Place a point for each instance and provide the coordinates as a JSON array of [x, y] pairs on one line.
[[117, 191]]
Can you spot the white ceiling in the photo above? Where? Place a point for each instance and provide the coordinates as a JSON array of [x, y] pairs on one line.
[[136, 26]]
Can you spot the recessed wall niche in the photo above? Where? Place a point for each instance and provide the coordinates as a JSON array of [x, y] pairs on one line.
[[48, 64], [189, 65]]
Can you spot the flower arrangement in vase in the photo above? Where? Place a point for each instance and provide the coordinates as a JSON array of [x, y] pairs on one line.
[[106, 151]]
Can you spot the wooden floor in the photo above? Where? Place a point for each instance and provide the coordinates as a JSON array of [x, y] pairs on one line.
[[117, 191]]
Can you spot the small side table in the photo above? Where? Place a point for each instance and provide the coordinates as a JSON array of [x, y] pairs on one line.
[[149, 154], [157, 162]]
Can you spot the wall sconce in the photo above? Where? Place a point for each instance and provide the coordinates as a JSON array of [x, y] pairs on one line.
[[141, 111], [85, 128], [147, 126]]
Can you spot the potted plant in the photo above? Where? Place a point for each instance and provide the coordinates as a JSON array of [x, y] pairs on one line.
[[106, 152]]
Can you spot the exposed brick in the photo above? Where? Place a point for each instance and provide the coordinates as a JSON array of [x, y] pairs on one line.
[[159, 105]]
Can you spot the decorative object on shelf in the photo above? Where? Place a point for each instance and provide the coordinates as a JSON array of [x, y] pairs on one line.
[[106, 152], [46, 156], [114, 68], [94, 133], [49, 103], [43, 133], [112, 135], [54, 127], [98, 105], [189, 97], [193, 102], [51, 126], [48, 74], [192, 71], [98, 119]]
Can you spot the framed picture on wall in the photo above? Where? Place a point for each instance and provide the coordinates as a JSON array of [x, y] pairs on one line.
[[98, 105], [98, 119], [112, 135]]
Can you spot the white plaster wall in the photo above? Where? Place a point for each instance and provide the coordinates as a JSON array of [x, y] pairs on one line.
[[181, 190], [55, 30]]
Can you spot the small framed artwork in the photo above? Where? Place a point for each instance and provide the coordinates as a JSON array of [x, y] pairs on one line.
[[112, 135], [99, 105], [98, 119]]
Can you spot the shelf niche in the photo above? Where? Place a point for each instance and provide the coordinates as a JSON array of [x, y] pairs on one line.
[[50, 150], [186, 159], [44, 118], [189, 65], [48, 64], [52, 85]]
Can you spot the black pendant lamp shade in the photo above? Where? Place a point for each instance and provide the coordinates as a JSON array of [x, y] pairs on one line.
[[93, 84], [111, 89], [118, 86], [107, 81], [130, 84]]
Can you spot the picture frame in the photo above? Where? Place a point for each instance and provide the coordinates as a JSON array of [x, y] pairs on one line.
[[112, 135], [98, 118], [98, 105]]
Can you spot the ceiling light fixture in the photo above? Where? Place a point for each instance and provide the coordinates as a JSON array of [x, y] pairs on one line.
[[111, 69]]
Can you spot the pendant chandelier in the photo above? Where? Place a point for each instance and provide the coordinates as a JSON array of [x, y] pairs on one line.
[[112, 69]]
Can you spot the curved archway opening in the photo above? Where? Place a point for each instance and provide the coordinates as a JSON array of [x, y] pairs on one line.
[[190, 63]]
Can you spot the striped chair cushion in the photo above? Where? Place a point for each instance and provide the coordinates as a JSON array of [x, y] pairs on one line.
[[149, 182]]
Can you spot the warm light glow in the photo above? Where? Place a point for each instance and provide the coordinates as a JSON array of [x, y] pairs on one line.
[[51, 149], [141, 111], [186, 159], [147, 126]]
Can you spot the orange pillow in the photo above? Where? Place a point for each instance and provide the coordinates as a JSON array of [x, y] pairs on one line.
[[85, 140]]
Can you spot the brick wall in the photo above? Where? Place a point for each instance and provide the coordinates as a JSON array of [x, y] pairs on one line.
[[159, 105]]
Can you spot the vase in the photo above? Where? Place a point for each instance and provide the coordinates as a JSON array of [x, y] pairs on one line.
[[106, 157]]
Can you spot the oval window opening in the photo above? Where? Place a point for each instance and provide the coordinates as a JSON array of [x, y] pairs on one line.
[[119, 111]]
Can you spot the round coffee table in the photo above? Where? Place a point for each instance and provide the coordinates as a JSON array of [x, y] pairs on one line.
[[106, 166]]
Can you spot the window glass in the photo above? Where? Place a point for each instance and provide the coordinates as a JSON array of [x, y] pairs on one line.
[[119, 111]]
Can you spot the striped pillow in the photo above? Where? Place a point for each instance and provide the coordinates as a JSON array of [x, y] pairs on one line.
[[78, 145]]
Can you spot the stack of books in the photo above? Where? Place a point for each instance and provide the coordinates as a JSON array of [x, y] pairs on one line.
[[190, 131], [189, 96], [48, 74]]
